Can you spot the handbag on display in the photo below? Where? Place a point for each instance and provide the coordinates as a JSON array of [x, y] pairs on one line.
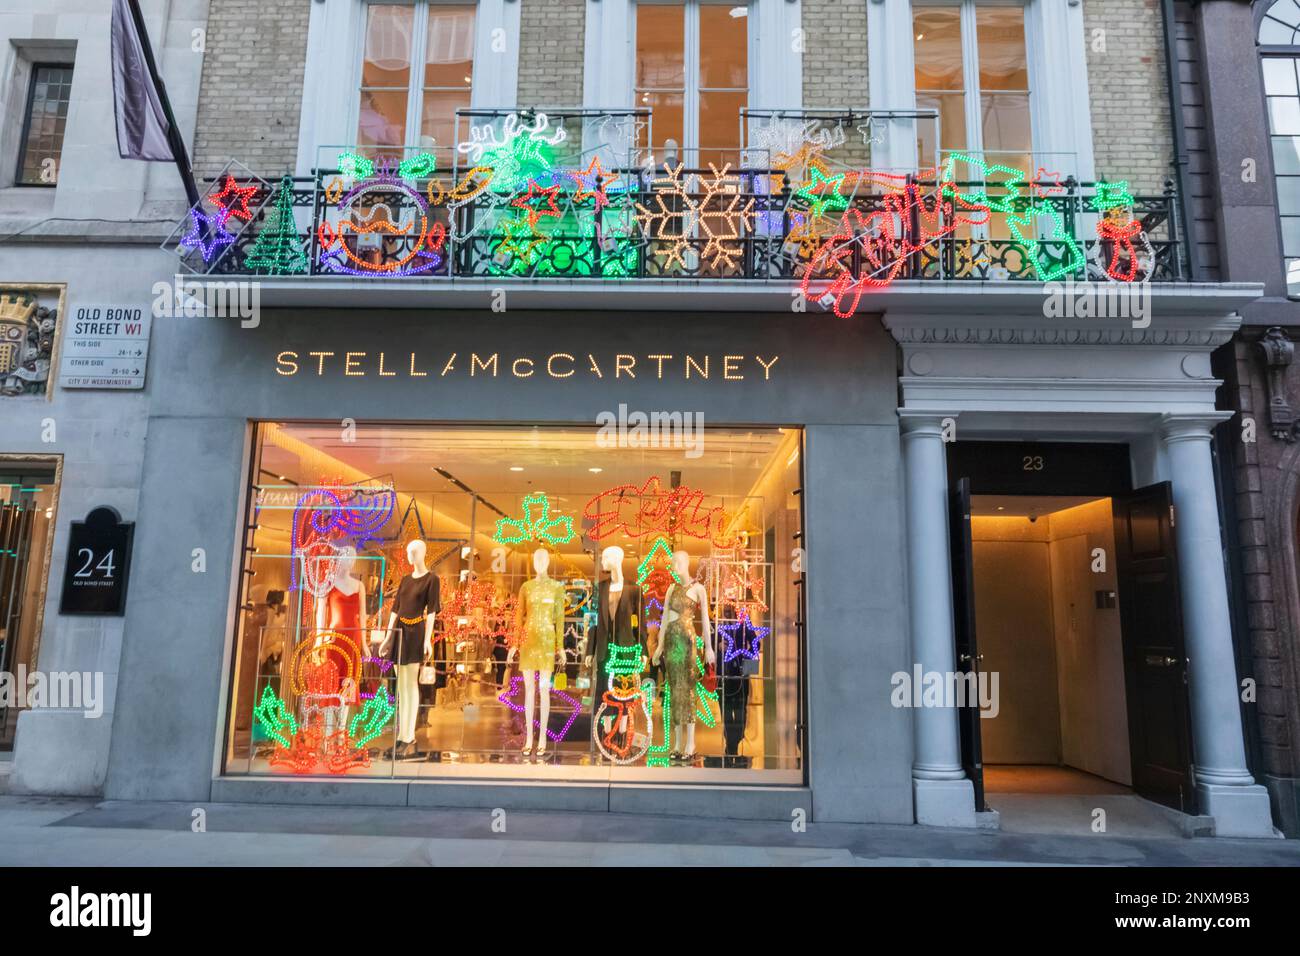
[[561, 681], [711, 678], [428, 674]]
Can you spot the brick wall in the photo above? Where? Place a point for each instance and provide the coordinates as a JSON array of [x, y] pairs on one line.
[[251, 91], [1129, 92], [835, 53], [551, 52]]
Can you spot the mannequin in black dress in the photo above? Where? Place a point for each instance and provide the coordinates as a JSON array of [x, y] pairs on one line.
[[409, 640]]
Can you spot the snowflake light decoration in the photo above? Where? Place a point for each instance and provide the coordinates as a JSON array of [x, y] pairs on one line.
[[678, 217]]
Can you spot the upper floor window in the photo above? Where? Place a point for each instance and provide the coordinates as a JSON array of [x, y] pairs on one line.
[[417, 70], [1280, 28], [972, 66], [692, 70], [43, 124]]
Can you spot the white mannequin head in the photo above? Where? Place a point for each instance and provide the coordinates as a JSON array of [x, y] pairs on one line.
[[415, 553], [541, 561], [611, 559], [343, 562], [682, 565]]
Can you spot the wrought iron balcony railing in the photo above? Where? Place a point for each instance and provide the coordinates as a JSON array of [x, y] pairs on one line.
[[517, 201]]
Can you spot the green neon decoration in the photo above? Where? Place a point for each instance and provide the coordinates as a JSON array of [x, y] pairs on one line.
[[372, 718], [535, 527], [275, 718]]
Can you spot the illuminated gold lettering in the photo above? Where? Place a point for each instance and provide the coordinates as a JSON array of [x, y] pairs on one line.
[[451, 364], [550, 365], [767, 366], [660, 359], [349, 363], [514, 367], [476, 363], [703, 371], [321, 357], [729, 366], [382, 373], [291, 363], [594, 367], [414, 373], [620, 366]]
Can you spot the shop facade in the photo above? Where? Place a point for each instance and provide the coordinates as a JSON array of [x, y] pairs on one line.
[[439, 426]]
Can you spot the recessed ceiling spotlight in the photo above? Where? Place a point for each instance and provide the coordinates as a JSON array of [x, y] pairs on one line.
[[595, 471], [516, 467]]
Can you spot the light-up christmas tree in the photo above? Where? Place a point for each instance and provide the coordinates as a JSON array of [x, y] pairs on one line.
[[277, 250]]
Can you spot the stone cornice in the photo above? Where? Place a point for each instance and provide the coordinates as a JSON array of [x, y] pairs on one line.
[[1203, 338]]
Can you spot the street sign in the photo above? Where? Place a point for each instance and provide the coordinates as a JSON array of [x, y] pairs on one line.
[[106, 347]]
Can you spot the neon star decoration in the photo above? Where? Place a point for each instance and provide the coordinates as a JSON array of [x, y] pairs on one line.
[[537, 524], [232, 198], [591, 184], [823, 192], [528, 202], [209, 234], [731, 632]]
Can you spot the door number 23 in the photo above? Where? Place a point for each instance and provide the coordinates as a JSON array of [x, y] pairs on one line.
[[1032, 463]]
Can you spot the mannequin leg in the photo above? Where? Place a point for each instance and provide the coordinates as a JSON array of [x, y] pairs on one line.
[[530, 694], [408, 701], [690, 741], [544, 688]]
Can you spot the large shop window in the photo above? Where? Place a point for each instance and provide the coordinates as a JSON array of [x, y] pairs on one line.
[[351, 659], [692, 70], [417, 70], [1279, 36]]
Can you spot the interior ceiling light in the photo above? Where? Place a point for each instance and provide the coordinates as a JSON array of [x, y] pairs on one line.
[[595, 471], [739, 12], [516, 467]]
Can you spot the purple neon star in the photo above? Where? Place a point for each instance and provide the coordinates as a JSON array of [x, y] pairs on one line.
[[511, 699], [218, 237], [729, 631]]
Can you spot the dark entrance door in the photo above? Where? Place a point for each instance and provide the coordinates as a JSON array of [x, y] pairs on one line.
[[968, 658], [1155, 662]]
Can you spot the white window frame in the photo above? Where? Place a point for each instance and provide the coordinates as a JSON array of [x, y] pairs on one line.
[[690, 144], [336, 34], [419, 50], [970, 57], [1055, 41], [775, 26]]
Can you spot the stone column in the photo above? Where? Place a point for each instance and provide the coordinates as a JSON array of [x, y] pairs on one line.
[[1225, 788], [943, 795]]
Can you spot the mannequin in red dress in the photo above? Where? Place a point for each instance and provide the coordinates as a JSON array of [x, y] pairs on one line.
[[343, 609]]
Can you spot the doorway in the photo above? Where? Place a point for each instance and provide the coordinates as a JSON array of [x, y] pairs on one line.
[[28, 495], [1066, 598], [1048, 617]]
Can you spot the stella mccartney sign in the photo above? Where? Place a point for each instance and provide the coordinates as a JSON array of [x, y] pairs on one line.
[[557, 365]]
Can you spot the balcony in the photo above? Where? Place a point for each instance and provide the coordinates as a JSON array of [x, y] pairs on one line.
[[574, 197]]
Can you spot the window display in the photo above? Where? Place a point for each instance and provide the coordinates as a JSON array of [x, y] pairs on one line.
[[520, 602]]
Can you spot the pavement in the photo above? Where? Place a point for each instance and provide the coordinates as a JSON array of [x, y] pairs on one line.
[[47, 831]]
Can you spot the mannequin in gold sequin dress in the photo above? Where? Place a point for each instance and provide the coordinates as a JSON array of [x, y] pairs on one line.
[[677, 647], [540, 619]]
